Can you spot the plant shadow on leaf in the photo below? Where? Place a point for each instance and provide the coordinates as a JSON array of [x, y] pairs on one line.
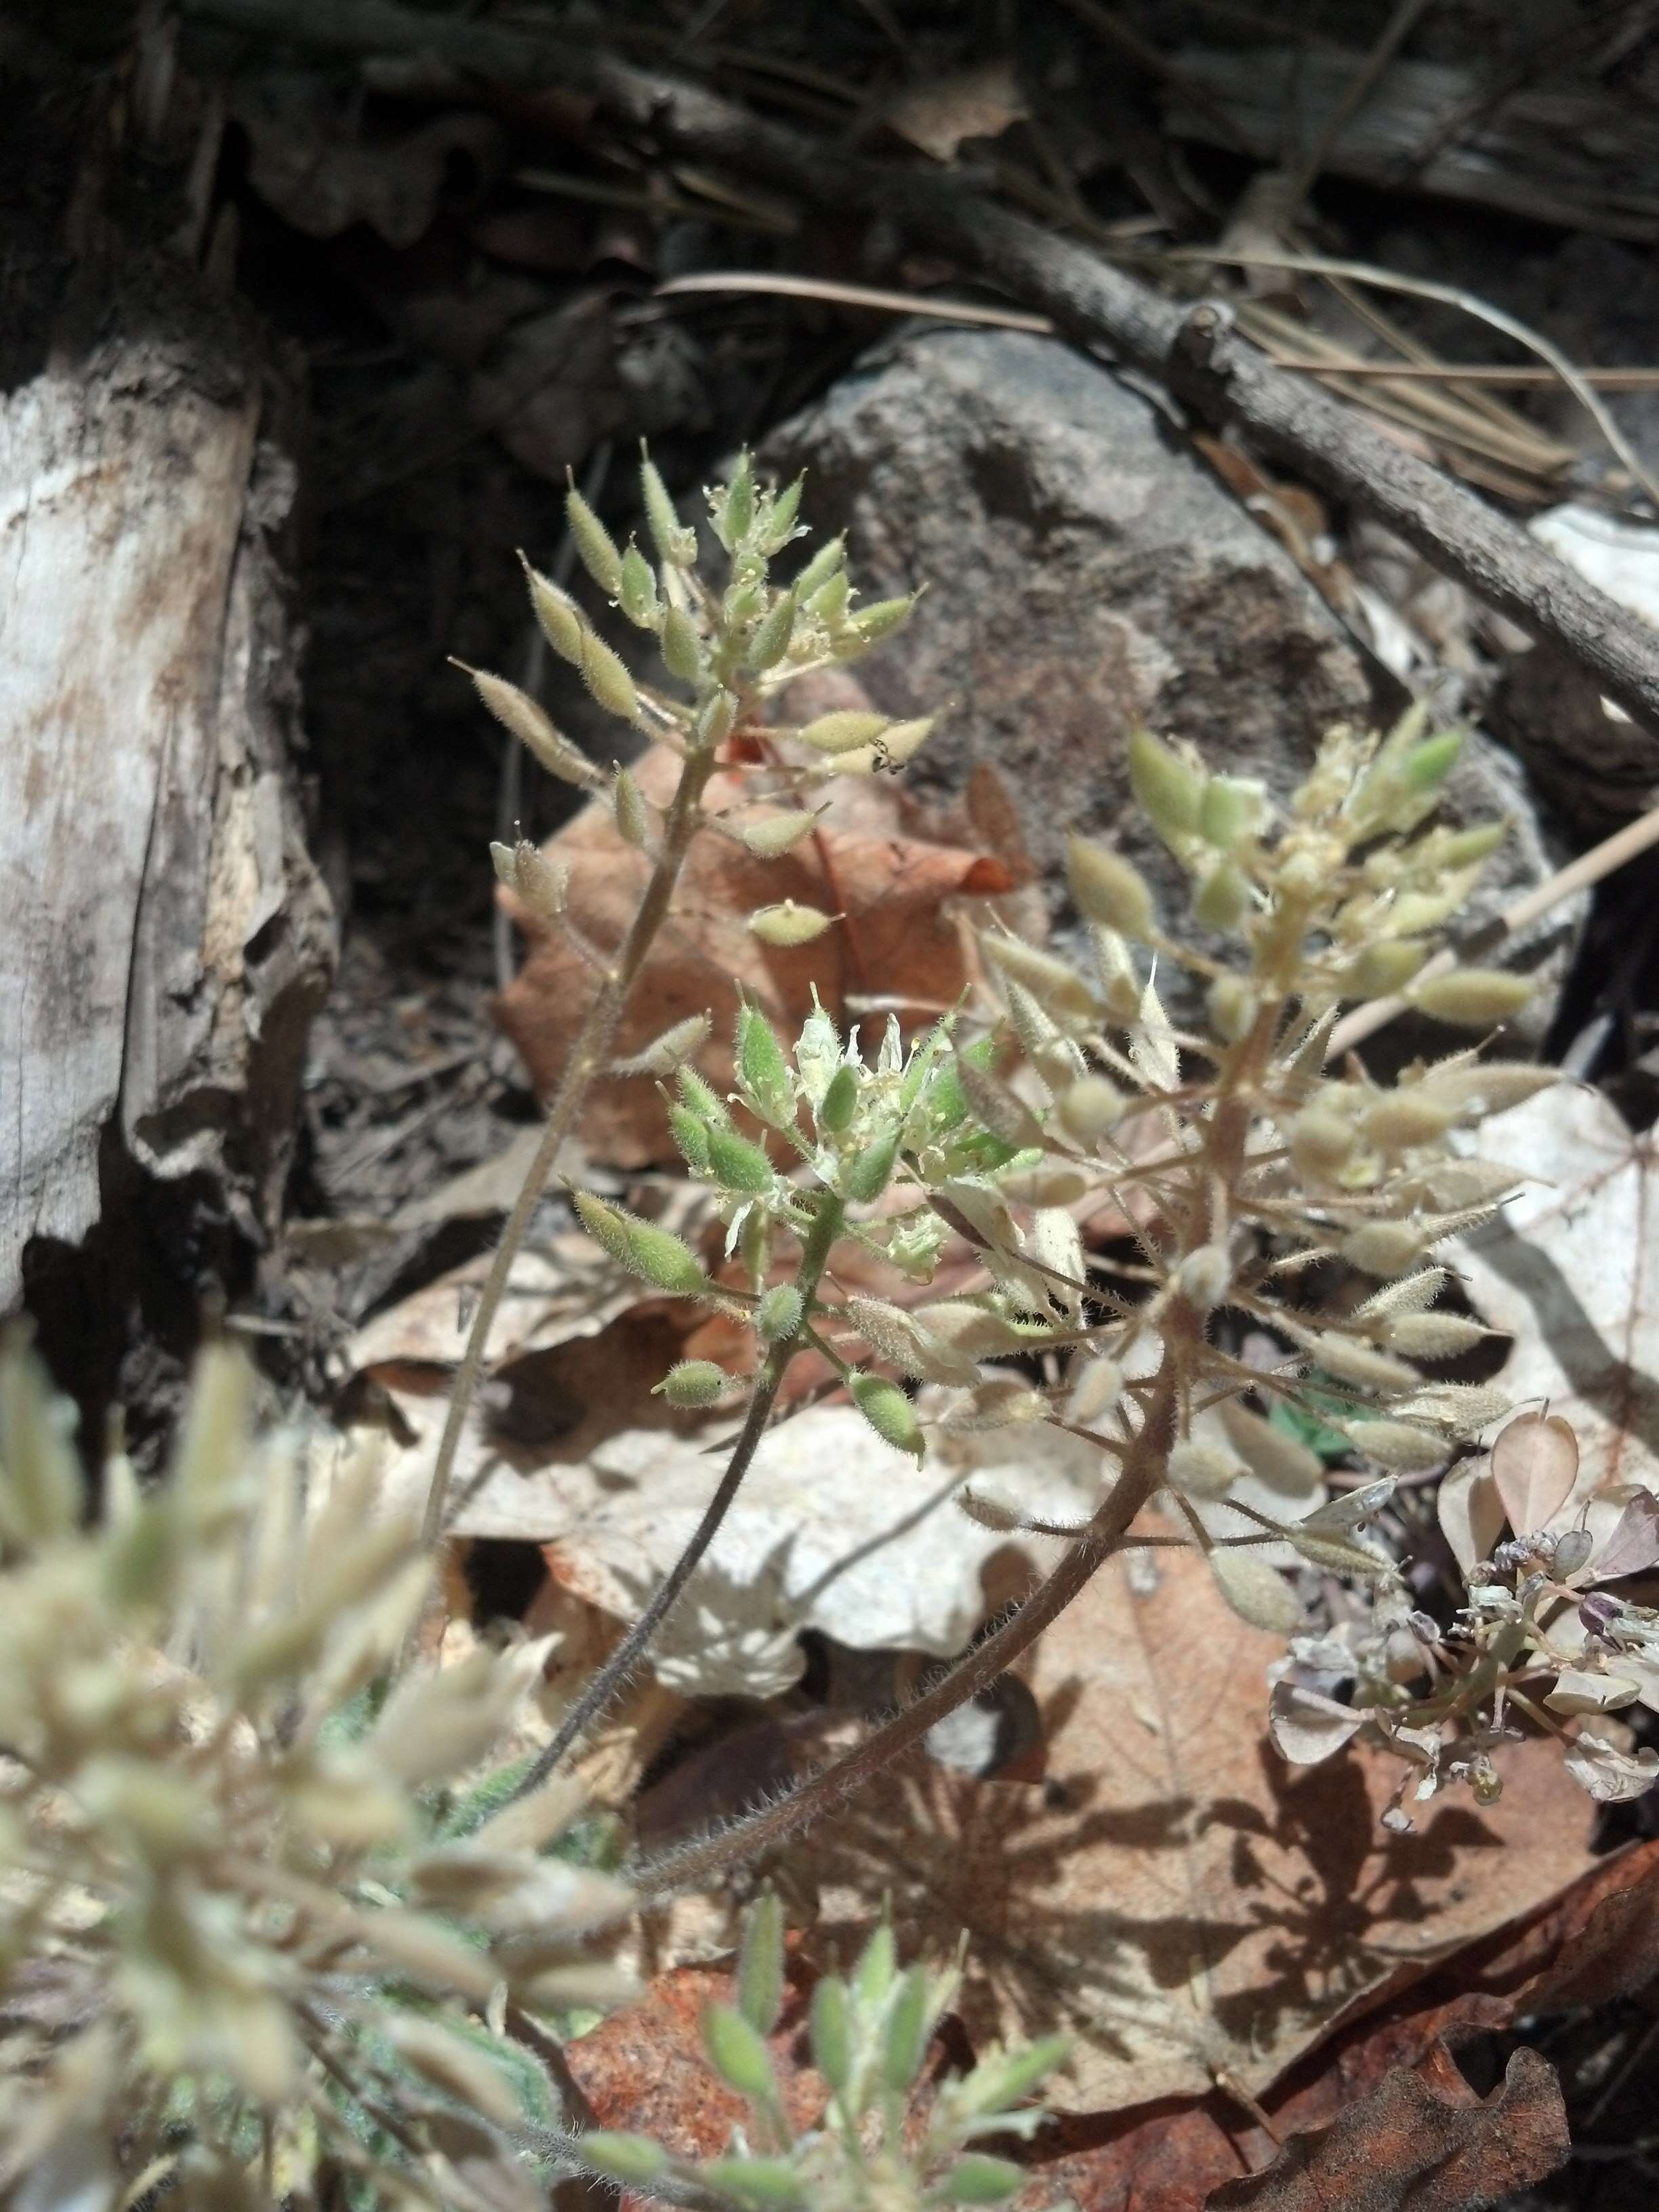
[[1173, 1894]]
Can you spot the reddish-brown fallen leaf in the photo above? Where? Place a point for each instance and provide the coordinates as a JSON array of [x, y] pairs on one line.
[[644, 2069], [1598, 1940], [1174, 1895], [897, 945], [1421, 2142]]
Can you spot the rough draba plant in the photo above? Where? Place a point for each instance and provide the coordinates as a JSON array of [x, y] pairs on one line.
[[1244, 1159], [870, 2031], [256, 1943]]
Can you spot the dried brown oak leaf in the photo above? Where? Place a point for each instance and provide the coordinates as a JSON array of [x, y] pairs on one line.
[[1418, 2144], [1185, 1904], [1597, 1941], [896, 946]]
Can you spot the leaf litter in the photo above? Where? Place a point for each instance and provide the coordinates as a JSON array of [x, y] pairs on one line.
[[1172, 1893]]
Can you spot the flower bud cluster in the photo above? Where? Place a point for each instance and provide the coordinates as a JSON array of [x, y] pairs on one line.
[[869, 2033], [245, 1887]]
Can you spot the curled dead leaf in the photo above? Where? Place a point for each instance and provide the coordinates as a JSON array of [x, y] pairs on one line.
[[896, 945]]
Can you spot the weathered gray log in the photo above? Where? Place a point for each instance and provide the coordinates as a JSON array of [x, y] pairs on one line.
[[167, 938], [1562, 152]]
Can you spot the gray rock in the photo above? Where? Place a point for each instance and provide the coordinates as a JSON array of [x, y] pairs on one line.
[[1087, 574]]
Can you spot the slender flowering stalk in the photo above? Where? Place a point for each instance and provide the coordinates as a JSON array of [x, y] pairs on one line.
[[730, 649]]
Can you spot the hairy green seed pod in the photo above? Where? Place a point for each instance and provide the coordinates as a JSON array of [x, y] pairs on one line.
[[639, 591], [1396, 1445], [1435, 1335], [1382, 969], [1171, 793], [1228, 810], [595, 543], [1232, 1008], [1488, 1086], [821, 568], [888, 1413], [829, 602], [1109, 889], [691, 1136], [979, 2178], [904, 2044], [1058, 989], [703, 1101], [868, 1174], [1281, 1460], [735, 513], [1464, 848], [736, 2052], [1320, 1142], [760, 1964], [557, 613], [1407, 1117], [1473, 998], [716, 719], [779, 1315], [692, 1383], [1353, 1362], [675, 543], [1383, 1247], [605, 674], [1095, 1388], [832, 2032], [772, 635], [877, 1969], [901, 741], [653, 1253], [1256, 1592], [1223, 899], [627, 805], [781, 514], [736, 1165], [840, 1102], [871, 624], [1120, 986], [682, 648], [762, 1072], [769, 839], [1201, 1470], [1426, 767], [518, 711], [787, 925], [843, 731], [634, 2160], [666, 1051]]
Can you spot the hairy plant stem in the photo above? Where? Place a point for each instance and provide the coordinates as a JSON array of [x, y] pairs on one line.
[[586, 1060], [694, 1865], [603, 1689]]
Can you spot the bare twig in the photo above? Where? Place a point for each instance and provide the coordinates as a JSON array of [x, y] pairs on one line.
[[1450, 295], [1193, 350]]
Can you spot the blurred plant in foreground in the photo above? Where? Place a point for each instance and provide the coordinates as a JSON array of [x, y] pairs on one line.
[[262, 1921]]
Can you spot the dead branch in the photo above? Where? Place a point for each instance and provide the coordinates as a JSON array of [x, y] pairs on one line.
[[1193, 349]]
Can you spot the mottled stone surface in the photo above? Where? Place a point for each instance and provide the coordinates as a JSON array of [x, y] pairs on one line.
[[1087, 573]]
